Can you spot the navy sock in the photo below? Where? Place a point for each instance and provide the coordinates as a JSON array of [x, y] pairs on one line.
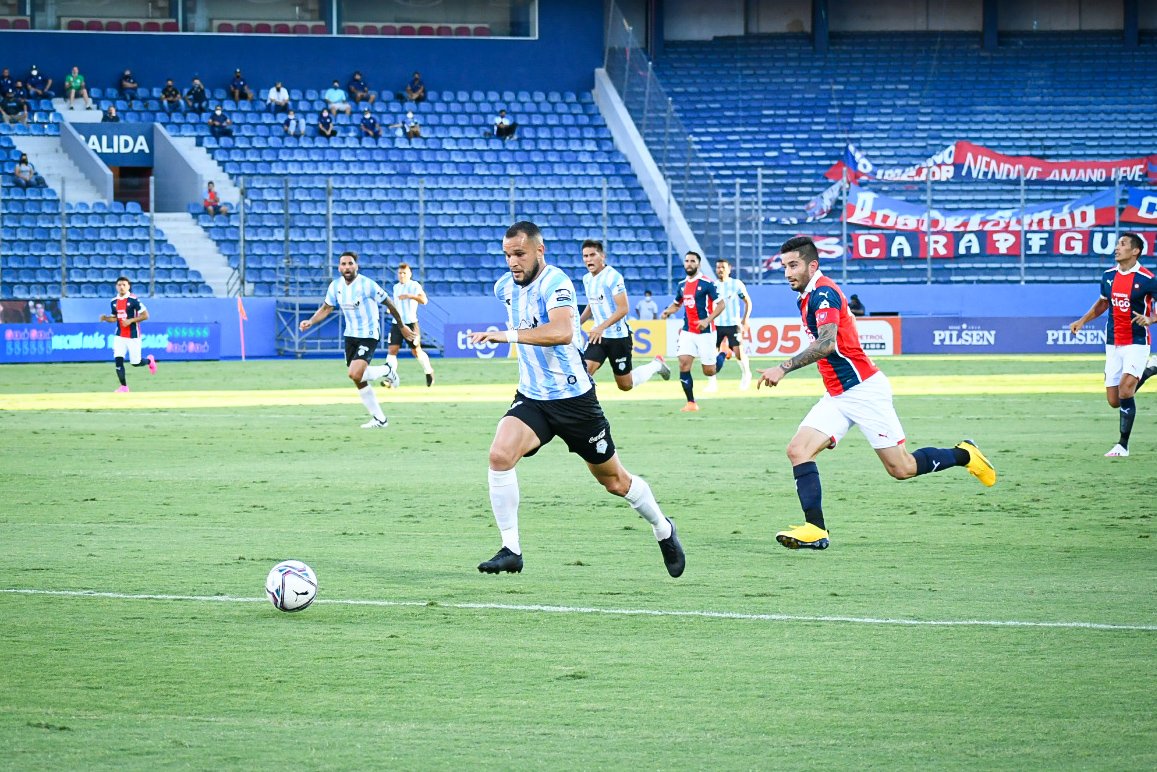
[[720, 358], [939, 459], [807, 485], [120, 365], [1128, 413], [688, 385]]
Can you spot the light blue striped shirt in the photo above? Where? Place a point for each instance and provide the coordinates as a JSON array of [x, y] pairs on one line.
[[358, 301], [545, 372], [601, 289], [407, 308], [731, 291]]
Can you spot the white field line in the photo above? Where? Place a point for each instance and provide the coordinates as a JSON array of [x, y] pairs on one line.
[[541, 609]]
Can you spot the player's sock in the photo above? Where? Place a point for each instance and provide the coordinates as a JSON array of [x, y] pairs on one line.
[[504, 503], [424, 360], [644, 373], [376, 372], [688, 385], [807, 485], [1128, 413], [745, 366], [141, 363], [939, 459], [392, 361], [120, 366], [1146, 374], [370, 400], [642, 500], [720, 358]]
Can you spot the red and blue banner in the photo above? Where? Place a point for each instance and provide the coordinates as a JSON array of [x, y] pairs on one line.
[[883, 245], [1142, 207], [865, 207]]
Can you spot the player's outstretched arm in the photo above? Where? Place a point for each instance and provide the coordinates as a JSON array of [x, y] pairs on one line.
[[1096, 310], [318, 315], [669, 310], [821, 347]]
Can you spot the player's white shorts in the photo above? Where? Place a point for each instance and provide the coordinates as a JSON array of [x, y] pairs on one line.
[[130, 346], [868, 405], [1122, 360], [700, 345]]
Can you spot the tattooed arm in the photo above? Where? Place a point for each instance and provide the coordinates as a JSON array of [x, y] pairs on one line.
[[821, 347]]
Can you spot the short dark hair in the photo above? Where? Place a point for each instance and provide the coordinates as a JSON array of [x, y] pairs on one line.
[[1138, 242], [125, 279], [802, 244], [724, 261], [404, 265], [594, 244], [349, 252], [525, 227], [698, 256]]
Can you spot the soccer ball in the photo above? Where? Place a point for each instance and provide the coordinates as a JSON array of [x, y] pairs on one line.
[[291, 586]]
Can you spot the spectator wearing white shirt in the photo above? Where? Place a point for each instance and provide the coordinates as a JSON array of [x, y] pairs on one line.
[[278, 99], [646, 310], [294, 126], [335, 97], [504, 128]]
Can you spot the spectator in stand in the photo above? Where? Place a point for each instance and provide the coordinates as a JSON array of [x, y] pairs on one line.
[[294, 126], [220, 124], [25, 176], [196, 97], [6, 82], [335, 97], [212, 202], [239, 89], [325, 127], [128, 87], [647, 309], [39, 86], [21, 91], [13, 109], [40, 314], [359, 90], [74, 85], [856, 307], [370, 126], [504, 128], [409, 128], [110, 115], [278, 99], [171, 97], [416, 90]]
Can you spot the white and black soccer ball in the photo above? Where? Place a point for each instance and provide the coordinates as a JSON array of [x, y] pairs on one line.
[[291, 586]]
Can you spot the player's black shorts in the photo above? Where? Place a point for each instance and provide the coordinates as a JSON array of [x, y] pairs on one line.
[[578, 420], [360, 348], [730, 333], [618, 350], [396, 338]]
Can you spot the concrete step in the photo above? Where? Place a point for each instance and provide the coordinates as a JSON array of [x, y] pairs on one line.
[[51, 162], [209, 169], [197, 249]]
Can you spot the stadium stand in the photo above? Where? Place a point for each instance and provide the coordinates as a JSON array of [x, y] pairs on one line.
[[772, 102]]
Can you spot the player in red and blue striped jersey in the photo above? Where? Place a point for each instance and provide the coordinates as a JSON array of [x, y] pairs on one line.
[[128, 312], [857, 394], [699, 297], [1128, 291]]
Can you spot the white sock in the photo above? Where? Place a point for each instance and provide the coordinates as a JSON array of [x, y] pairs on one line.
[[710, 380], [376, 372], [639, 496], [370, 400], [424, 361], [504, 502], [392, 361], [643, 373], [745, 367]]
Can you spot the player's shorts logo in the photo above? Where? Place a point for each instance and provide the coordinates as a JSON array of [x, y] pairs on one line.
[[362, 350]]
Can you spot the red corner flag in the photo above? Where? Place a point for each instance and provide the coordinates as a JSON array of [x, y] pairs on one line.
[[241, 319]]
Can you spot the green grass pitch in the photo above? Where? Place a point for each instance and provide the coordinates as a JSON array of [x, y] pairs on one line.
[[1042, 588]]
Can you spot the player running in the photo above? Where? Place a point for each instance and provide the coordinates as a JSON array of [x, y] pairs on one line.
[[731, 325], [611, 338], [701, 303], [1129, 289], [408, 295], [555, 398], [128, 312], [857, 393], [358, 298]]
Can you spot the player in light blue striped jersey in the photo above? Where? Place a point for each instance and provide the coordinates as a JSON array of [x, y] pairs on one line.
[[408, 295], [358, 297], [731, 325], [555, 398], [610, 338]]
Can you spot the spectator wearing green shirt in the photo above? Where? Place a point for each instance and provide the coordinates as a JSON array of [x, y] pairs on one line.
[[73, 85]]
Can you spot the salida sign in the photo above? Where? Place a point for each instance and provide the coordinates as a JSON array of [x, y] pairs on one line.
[[119, 144]]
